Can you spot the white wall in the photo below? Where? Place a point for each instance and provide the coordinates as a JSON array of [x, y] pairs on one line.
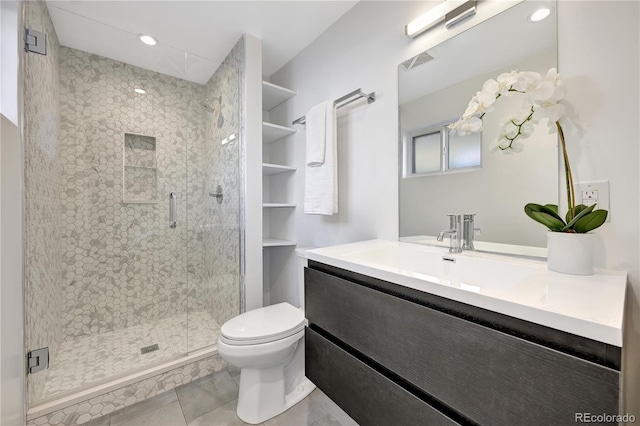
[[11, 310], [12, 411], [598, 58], [9, 60], [252, 267]]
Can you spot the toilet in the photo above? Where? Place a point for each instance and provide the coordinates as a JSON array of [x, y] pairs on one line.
[[267, 344]]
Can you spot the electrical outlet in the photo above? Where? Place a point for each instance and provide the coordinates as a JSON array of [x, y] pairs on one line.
[[589, 193], [590, 197]]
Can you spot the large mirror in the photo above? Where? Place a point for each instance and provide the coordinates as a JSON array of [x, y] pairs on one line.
[[443, 173]]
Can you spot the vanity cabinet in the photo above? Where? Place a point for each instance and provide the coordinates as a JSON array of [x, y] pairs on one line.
[[388, 354]]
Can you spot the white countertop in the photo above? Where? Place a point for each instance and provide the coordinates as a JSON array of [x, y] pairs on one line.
[[588, 306]]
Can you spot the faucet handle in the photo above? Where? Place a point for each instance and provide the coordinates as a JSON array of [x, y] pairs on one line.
[[454, 219]]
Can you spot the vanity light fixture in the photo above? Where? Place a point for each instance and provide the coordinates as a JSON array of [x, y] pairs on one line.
[[438, 14], [147, 39], [461, 13], [540, 14], [139, 90]]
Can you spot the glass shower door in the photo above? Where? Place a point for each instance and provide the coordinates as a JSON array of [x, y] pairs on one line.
[[215, 186]]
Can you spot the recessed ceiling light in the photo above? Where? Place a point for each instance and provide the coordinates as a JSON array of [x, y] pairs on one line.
[[540, 14], [147, 39], [138, 90]]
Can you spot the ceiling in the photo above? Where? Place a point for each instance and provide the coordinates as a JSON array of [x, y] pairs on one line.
[[193, 37]]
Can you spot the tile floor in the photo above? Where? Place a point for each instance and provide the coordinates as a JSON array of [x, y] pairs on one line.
[[212, 401], [119, 351]]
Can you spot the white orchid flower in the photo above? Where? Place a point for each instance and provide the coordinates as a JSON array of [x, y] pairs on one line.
[[464, 127], [472, 109], [554, 78], [550, 110], [543, 91], [516, 148], [487, 96], [505, 81], [540, 102], [526, 80], [509, 129], [526, 129], [482, 102]]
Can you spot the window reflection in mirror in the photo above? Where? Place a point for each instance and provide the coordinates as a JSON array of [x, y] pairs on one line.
[[444, 173], [435, 150]]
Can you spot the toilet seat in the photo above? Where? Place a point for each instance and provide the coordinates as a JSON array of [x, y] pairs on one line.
[[263, 325]]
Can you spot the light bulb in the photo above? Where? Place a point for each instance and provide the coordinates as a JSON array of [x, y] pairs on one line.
[[540, 14]]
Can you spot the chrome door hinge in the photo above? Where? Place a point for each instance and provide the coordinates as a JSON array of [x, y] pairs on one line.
[[38, 360], [35, 41]]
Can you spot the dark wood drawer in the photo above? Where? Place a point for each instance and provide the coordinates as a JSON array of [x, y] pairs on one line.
[[369, 397], [487, 376]]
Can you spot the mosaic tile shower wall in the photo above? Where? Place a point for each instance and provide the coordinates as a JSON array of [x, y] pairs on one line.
[[123, 264], [43, 260]]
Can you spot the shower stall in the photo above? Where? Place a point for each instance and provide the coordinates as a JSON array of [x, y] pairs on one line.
[[133, 206]]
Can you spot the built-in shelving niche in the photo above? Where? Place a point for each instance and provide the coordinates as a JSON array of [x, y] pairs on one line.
[[277, 215], [139, 169]]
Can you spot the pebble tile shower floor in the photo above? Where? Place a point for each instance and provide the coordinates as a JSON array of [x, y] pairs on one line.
[[98, 357], [212, 400]]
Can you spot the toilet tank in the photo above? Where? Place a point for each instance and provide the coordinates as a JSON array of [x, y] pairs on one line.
[[301, 253]]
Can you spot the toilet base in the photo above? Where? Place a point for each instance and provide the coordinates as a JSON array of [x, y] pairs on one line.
[[267, 392], [262, 399]]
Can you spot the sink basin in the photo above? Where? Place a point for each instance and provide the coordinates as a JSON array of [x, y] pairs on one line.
[[484, 246], [589, 306], [439, 266]]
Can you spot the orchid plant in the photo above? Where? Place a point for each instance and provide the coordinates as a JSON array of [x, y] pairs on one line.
[[542, 100]]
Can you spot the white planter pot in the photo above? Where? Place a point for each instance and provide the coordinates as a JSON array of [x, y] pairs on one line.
[[570, 253]]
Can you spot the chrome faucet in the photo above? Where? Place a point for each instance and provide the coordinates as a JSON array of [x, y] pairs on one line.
[[454, 232], [468, 231]]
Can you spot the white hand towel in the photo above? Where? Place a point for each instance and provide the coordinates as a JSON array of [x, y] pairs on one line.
[[316, 133], [321, 182]]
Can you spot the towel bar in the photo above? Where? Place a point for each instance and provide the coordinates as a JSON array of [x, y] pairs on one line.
[[340, 102]]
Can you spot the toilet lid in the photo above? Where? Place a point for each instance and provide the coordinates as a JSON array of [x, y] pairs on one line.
[[264, 324]]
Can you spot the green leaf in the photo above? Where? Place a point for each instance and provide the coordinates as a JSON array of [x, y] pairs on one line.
[[590, 221], [549, 209], [551, 222], [583, 212], [578, 208]]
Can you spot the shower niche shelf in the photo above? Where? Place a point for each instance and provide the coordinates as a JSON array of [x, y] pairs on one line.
[[139, 171], [273, 95], [127, 166], [274, 132]]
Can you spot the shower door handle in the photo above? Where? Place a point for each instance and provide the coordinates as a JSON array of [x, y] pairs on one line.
[[173, 210]]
